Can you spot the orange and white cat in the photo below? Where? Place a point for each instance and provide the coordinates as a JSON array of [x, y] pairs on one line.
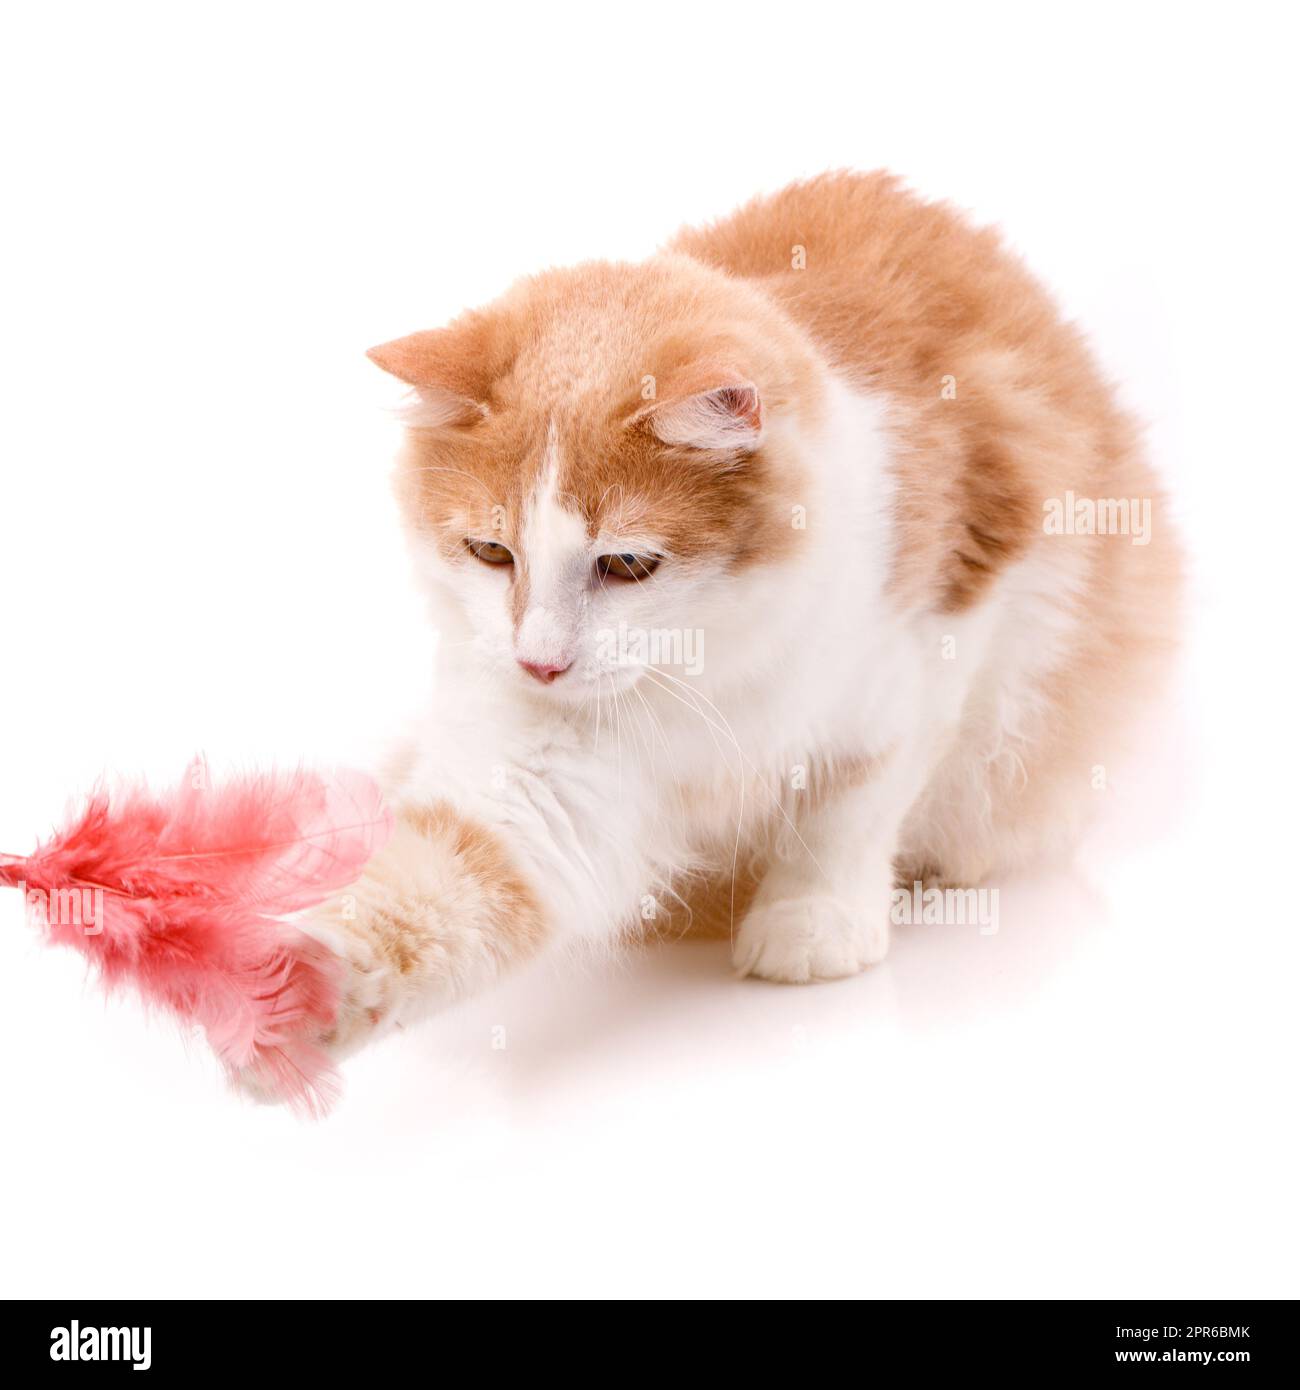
[[765, 573]]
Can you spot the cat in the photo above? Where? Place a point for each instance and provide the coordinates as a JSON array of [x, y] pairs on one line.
[[750, 600]]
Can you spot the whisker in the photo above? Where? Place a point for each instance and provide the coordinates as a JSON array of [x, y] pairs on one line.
[[762, 783], [650, 672]]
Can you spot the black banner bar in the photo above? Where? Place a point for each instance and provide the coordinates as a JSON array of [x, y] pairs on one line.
[[91, 1339]]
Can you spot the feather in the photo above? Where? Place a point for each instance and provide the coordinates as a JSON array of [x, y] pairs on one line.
[[183, 896]]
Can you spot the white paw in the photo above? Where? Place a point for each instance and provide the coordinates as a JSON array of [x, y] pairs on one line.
[[796, 940]]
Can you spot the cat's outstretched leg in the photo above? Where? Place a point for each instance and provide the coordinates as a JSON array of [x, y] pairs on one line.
[[440, 913]]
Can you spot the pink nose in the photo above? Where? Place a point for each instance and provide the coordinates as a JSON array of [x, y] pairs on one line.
[[543, 672]]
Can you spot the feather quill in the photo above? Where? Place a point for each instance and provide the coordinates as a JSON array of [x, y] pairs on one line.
[[191, 890]]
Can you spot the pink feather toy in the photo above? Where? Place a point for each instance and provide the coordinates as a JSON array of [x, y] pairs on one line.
[[184, 896]]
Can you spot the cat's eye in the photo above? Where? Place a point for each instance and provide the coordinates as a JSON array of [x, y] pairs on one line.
[[627, 566], [490, 552]]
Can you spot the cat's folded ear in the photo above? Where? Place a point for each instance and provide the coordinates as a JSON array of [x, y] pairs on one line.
[[449, 369], [705, 407]]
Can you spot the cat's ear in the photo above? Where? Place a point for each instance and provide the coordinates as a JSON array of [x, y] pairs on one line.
[[707, 408], [448, 369]]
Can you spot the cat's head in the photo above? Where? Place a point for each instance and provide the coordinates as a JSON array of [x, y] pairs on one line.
[[601, 463]]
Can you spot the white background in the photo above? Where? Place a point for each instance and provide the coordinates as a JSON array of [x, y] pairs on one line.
[[209, 214]]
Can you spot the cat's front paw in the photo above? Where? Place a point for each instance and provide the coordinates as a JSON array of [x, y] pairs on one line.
[[799, 940]]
